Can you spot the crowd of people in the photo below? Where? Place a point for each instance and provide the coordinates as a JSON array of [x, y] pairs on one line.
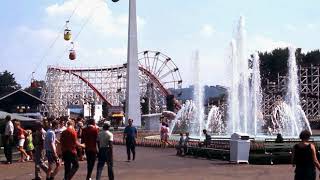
[[63, 142]]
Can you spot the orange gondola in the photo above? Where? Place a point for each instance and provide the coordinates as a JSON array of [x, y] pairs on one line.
[[34, 83], [72, 53]]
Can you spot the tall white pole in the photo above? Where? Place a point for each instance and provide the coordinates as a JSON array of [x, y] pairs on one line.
[[132, 92]]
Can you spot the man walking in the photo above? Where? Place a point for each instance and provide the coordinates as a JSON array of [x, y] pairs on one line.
[[130, 135], [89, 138], [105, 155], [69, 145], [38, 142], [51, 151], [8, 139]]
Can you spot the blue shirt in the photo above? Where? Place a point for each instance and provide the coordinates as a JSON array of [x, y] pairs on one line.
[[130, 132], [50, 138]]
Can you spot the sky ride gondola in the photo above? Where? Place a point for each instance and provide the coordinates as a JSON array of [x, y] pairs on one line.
[[72, 52], [67, 32], [34, 83]]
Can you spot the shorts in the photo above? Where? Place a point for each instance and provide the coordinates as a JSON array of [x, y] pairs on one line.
[[51, 158], [21, 142]]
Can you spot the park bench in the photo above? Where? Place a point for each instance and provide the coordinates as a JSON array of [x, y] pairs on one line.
[[274, 149], [206, 151]]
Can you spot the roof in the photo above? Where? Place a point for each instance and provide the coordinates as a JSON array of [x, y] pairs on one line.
[[20, 92], [15, 116]]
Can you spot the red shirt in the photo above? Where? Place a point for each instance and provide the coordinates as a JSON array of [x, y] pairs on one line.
[[20, 133], [68, 140], [89, 138]]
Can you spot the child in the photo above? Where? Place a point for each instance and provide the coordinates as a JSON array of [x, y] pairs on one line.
[[186, 144], [180, 145], [162, 132], [29, 144], [166, 135]]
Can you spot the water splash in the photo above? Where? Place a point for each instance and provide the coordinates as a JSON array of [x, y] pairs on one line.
[[197, 122], [233, 102], [239, 116], [214, 123], [288, 117], [184, 117], [184, 120], [256, 93]]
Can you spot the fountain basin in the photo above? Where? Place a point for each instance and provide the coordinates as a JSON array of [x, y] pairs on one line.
[[221, 145]]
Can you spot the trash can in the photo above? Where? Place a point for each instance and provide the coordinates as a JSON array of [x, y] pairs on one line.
[[239, 148]]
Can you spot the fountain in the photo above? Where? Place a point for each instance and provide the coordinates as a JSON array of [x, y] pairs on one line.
[[244, 109], [244, 114], [288, 117], [196, 123], [183, 119], [191, 116], [214, 123], [256, 93], [243, 97]]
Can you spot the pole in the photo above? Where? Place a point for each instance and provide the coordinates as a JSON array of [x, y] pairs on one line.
[[132, 92]]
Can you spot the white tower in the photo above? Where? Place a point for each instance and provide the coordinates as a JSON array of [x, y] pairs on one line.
[[132, 92]]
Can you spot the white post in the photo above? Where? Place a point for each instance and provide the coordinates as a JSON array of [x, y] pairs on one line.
[[133, 92]]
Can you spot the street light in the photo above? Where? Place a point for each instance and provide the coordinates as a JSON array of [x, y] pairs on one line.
[[133, 110]]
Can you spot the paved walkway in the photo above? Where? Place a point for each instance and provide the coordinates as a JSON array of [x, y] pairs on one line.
[[162, 164]]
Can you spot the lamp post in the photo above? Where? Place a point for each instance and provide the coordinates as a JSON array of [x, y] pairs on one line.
[[132, 79]]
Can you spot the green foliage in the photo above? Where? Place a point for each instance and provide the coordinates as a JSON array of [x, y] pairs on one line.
[[273, 63], [8, 83], [276, 62], [312, 57]]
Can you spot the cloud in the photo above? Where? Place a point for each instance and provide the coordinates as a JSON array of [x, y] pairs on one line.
[[102, 19], [290, 27], [262, 43], [311, 26], [303, 28], [120, 52], [207, 30]]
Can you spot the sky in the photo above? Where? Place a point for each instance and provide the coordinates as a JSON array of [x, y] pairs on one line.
[[176, 28]]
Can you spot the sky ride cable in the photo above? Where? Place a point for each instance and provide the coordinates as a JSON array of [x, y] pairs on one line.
[[60, 31]]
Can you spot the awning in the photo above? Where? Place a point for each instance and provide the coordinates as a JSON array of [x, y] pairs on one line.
[[16, 116], [117, 115]]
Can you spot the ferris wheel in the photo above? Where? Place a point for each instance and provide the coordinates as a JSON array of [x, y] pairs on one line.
[[161, 67]]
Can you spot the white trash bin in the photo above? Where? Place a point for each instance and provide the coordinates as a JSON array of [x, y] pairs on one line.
[[239, 148]]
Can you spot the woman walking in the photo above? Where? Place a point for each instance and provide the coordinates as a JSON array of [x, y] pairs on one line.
[[304, 158], [20, 132]]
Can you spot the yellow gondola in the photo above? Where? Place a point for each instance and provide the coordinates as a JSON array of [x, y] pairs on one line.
[[67, 32]]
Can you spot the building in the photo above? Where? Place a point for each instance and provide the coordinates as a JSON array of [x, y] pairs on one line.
[[20, 102]]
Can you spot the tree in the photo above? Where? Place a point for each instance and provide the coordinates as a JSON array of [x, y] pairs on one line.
[[312, 57], [273, 63], [276, 62], [8, 83]]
